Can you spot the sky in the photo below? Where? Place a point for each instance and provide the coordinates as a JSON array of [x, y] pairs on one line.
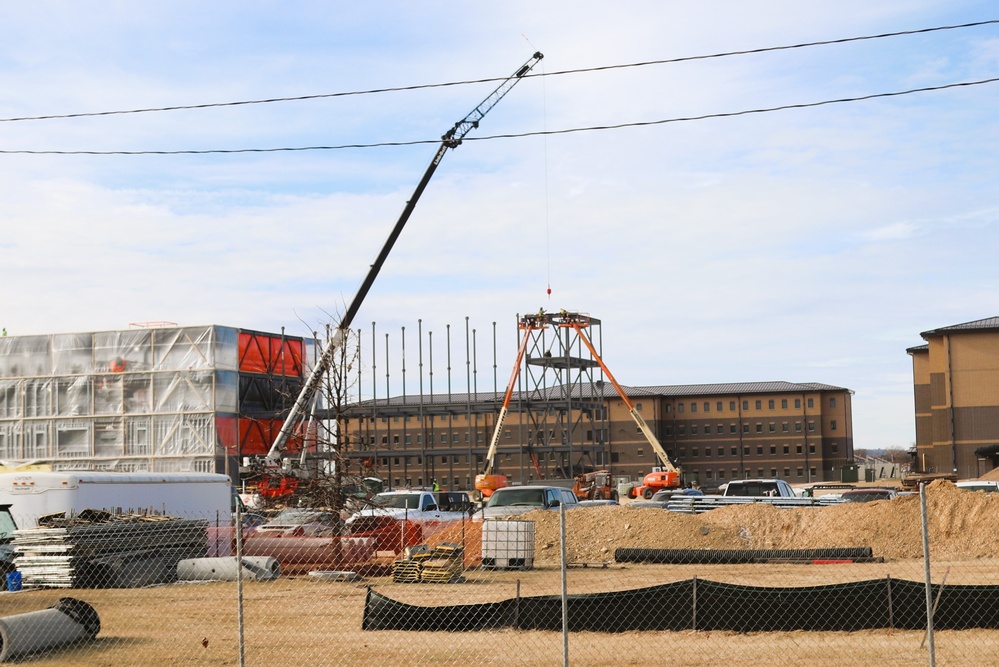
[[806, 245]]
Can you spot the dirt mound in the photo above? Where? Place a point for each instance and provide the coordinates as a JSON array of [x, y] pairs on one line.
[[963, 525]]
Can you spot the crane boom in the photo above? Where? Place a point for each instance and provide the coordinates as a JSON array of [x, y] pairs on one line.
[[451, 139], [667, 465]]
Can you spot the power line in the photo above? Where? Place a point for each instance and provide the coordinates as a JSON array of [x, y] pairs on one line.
[[590, 128], [373, 91]]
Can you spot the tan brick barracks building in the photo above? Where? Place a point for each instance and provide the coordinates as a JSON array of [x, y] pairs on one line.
[[956, 385], [801, 432]]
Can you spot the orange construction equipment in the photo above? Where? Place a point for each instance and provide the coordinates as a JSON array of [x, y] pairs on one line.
[[669, 474], [594, 486], [656, 481], [487, 482]]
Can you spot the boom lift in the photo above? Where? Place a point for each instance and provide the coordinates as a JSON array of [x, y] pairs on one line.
[[451, 139], [488, 482]]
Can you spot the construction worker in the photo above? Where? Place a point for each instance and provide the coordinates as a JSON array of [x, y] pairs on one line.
[[436, 487]]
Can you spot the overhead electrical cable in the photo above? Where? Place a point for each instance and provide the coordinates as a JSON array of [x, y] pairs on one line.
[[373, 91], [590, 128]]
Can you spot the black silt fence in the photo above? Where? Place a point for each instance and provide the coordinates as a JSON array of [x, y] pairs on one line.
[[698, 604]]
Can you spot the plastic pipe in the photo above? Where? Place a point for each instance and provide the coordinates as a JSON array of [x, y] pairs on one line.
[[261, 568], [67, 621]]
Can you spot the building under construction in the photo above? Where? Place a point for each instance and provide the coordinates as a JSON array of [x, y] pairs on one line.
[[566, 416], [156, 398]]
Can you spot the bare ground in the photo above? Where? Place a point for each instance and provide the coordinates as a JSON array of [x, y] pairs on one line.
[[302, 621]]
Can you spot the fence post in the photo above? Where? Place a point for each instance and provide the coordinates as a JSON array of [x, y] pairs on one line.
[[926, 572], [565, 588], [238, 527]]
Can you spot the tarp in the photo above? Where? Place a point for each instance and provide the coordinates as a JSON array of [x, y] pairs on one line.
[[698, 604]]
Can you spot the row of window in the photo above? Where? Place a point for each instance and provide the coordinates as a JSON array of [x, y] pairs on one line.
[[722, 474], [771, 404], [705, 406], [695, 452], [695, 429]]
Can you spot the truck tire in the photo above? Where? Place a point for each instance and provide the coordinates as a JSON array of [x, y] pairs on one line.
[[614, 496], [598, 495], [648, 493]]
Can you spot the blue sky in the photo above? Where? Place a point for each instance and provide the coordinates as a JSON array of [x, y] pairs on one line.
[[808, 245]]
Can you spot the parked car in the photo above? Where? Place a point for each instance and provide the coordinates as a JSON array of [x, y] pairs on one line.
[[867, 495], [978, 485], [514, 500], [302, 522]]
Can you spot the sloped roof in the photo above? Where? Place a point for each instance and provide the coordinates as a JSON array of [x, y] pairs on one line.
[[606, 390], [918, 348], [976, 325]]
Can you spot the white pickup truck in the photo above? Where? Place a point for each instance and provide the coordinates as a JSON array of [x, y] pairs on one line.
[[432, 510]]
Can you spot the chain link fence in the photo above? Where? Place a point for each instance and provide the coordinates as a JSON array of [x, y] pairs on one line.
[[833, 584]]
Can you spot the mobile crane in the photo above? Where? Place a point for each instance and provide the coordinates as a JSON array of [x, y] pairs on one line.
[[451, 139], [667, 475]]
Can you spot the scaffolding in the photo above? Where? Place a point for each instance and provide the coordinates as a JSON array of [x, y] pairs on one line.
[[558, 426]]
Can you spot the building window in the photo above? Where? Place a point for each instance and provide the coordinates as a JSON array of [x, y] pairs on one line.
[[745, 405], [811, 472], [735, 451], [719, 429], [832, 425], [731, 406], [772, 427], [811, 426], [759, 450], [693, 453], [707, 451], [787, 472], [443, 459], [801, 472], [797, 427], [759, 428], [681, 429], [811, 449], [721, 474], [783, 427], [798, 449], [693, 429], [811, 403], [732, 428], [759, 472], [640, 451], [396, 460], [773, 450], [693, 406], [638, 406], [721, 451], [669, 430], [506, 434], [679, 407], [832, 401], [719, 406], [770, 404], [395, 439], [669, 408], [783, 403], [683, 452], [745, 428], [707, 406], [834, 448], [759, 405], [615, 457], [787, 450], [409, 439], [773, 472]]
